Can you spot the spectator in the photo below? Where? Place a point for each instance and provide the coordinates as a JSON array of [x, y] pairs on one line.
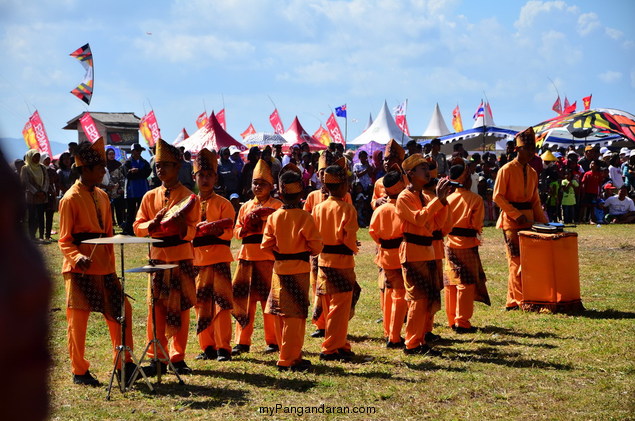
[[64, 173], [620, 209], [52, 203], [186, 171], [154, 181], [615, 171], [591, 153], [628, 171], [234, 156], [569, 192], [245, 177], [411, 148], [553, 197], [276, 165], [362, 171], [458, 148], [590, 191], [115, 188], [17, 165], [361, 202], [136, 170], [439, 157], [509, 154], [491, 209], [378, 165], [35, 181]]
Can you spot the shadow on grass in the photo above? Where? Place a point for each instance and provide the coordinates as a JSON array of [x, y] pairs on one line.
[[214, 396], [364, 338], [263, 380], [513, 332], [493, 342], [490, 355], [610, 314], [430, 365]]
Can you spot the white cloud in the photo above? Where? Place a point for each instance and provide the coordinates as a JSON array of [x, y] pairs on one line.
[[587, 23], [610, 76], [190, 49], [613, 33], [532, 11]]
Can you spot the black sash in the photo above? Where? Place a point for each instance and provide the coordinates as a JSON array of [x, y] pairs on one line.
[[337, 249], [78, 237], [437, 235], [170, 241], [393, 243], [463, 232], [304, 255], [209, 240], [521, 205], [419, 240], [253, 239]]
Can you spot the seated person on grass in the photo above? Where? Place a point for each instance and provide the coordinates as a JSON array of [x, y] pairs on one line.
[[620, 209]]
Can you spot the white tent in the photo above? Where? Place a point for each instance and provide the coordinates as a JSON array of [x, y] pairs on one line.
[[382, 130], [487, 119], [437, 126]]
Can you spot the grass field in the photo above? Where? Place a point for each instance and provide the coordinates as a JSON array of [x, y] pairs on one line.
[[519, 366]]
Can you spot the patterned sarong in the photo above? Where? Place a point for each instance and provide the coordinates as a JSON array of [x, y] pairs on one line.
[[512, 242], [393, 278], [336, 280], [213, 293], [421, 281], [252, 282], [100, 293], [289, 296], [463, 266]]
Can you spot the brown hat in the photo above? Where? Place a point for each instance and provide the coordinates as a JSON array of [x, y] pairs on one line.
[[326, 159], [290, 187], [290, 167], [206, 160], [262, 171], [90, 153], [167, 152], [395, 149], [526, 138], [336, 177], [412, 161]]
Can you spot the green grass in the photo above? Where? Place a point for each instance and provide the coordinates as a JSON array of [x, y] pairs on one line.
[[519, 366]]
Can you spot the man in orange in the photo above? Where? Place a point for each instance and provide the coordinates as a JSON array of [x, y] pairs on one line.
[[89, 270], [337, 285], [291, 235], [516, 194], [252, 279], [416, 253], [174, 289], [212, 258], [465, 278], [385, 229]]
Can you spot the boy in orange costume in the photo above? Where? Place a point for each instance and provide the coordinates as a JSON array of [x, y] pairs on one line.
[[212, 257], [252, 279], [337, 286], [465, 278], [89, 270], [516, 194], [385, 229], [291, 235], [174, 289], [416, 253]]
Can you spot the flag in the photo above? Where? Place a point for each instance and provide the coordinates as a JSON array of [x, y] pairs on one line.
[[276, 122], [480, 111], [84, 90], [40, 133], [334, 130], [89, 127], [201, 121], [250, 130], [181, 137], [566, 103], [220, 116], [400, 117], [323, 136], [489, 118], [150, 128], [587, 102], [341, 111], [457, 123], [29, 135], [570, 109], [557, 106]]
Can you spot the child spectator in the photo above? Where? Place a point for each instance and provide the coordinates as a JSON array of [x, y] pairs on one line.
[[569, 192]]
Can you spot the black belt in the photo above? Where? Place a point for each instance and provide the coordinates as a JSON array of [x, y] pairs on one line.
[[419, 240], [463, 232], [78, 237], [171, 241], [210, 240], [304, 255], [522, 205], [253, 239], [337, 249], [393, 243], [437, 235]]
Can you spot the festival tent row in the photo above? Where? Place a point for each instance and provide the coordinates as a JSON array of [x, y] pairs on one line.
[[210, 136], [296, 135], [381, 130]]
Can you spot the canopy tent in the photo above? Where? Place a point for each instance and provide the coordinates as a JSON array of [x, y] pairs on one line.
[[370, 148], [562, 138], [211, 136], [480, 138], [382, 130], [437, 126], [296, 135]]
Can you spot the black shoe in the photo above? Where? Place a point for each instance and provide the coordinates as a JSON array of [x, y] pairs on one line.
[[86, 379], [471, 329], [431, 337], [330, 357], [223, 355], [395, 345], [271, 348], [209, 354], [345, 354], [181, 368], [152, 370], [319, 333], [512, 308], [239, 349], [130, 367], [422, 350], [302, 365]]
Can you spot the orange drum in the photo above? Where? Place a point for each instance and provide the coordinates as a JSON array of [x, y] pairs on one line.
[[549, 272]]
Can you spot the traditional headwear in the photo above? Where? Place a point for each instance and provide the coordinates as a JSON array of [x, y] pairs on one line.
[[206, 160], [290, 187], [397, 185], [167, 152], [290, 167], [262, 171], [339, 176], [526, 138], [460, 177], [434, 173], [395, 149], [326, 159], [548, 156], [90, 153], [412, 161]]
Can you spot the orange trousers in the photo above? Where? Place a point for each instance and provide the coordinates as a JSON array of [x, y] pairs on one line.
[[290, 336], [395, 309], [77, 321], [338, 310], [243, 334], [459, 304], [178, 343], [386, 299], [514, 282], [320, 322], [418, 320], [218, 335]]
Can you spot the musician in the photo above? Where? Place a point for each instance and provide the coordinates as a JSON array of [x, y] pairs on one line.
[[174, 289], [89, 270]]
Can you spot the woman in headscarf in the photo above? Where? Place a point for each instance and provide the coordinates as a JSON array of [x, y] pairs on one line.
[[52, 203], [377, 165], [115, 186], [65, 173], [35, 181]]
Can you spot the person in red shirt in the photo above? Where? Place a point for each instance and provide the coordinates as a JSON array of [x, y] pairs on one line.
[[590, 187]]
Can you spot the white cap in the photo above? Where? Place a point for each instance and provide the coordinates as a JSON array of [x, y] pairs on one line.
[[624, 151], [632, 152], [607, 154], [233, 149], [604, 150]]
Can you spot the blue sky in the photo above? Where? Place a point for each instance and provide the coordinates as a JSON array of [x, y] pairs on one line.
[[306, 55]]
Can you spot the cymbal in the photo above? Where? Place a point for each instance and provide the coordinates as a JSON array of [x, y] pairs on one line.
[[122, 239], [150, 268]]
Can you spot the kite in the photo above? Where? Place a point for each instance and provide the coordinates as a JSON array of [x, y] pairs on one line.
[[84, 90]]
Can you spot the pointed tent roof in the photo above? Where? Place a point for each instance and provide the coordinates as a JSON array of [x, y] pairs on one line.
[[296, 135], [487, 120], [211, 136], [370, 121], [382, 130], [437, 126]]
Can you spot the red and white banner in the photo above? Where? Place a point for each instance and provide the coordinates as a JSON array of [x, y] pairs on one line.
[[322, 136], [557, 106], [150, 128], [250, 130], [89, 127], [221, 119], [276, 122], [403, 124], [201, 121], [40, 133], [334, 130]]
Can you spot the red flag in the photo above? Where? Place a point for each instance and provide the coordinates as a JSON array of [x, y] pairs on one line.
[[322, 136], [201, 121], [89, 127], [250, 130], [40, 133], [150, 128], [571, 108], [115, 138], [566, 103], [557, 106], [587, 102], [334, 130], [276, 122], [29, 135], [457, 123], [220, 116], [402, 123]]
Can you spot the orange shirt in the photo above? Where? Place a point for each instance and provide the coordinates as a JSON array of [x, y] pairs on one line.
[[380, 191], [517, 183], [253, 251], [316, 196], [80, 211], [419, 219], [385, 225], [336, 221], [214, 208], [290, 231], [152, 202], [437, 245], [466, 210]]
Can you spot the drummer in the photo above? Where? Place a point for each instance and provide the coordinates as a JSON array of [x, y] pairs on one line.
[[174, 289], [89, 270]]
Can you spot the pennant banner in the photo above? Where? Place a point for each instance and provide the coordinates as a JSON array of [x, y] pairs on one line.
[[221, 119], [89, 127], [276, 122], [557, 106], [40, 133], [587, 102], [334, 130], [201, 121], [29, 136], [403, 124], [150, 128], [323, 136], [84, 90], [457, 123], [250, 130], [570, 109]]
